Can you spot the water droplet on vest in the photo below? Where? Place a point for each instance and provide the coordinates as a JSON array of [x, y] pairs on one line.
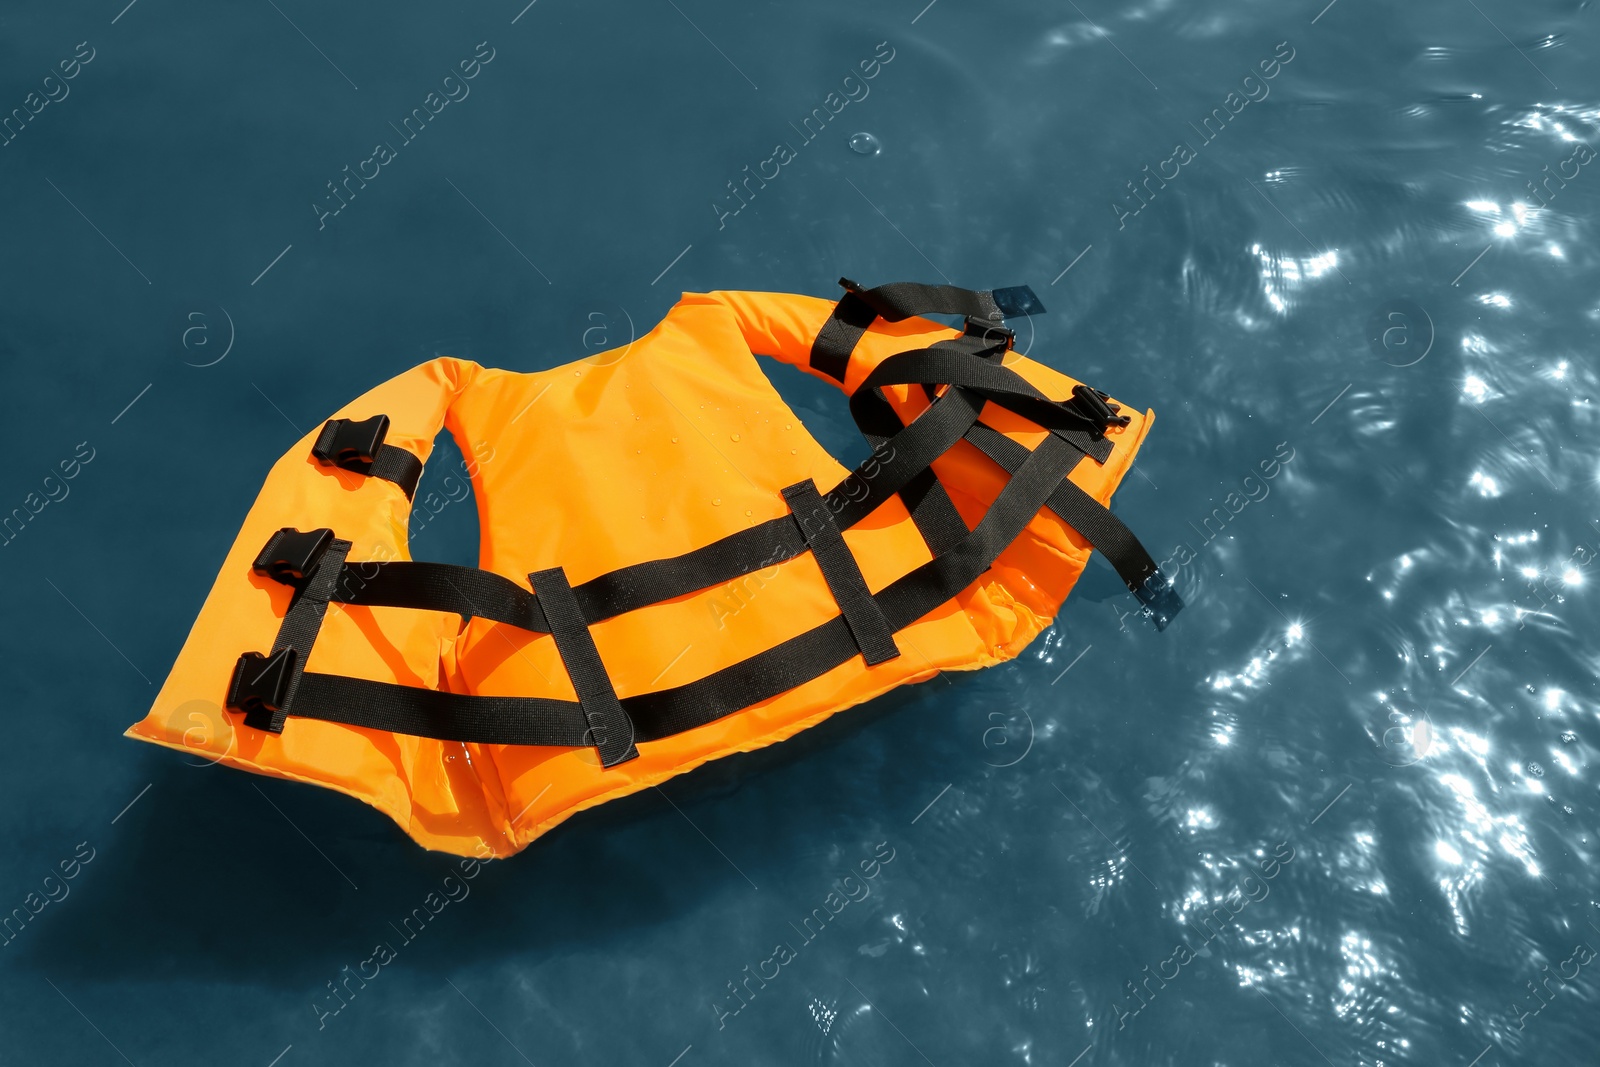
[[717, 503], [735, 437], [864, 144]]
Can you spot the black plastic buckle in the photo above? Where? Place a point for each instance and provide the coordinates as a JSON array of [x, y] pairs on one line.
[[289, 555], [351, 445], [850, 286], [1160, 599], [993, 333], [260, 688], [1093, 403]]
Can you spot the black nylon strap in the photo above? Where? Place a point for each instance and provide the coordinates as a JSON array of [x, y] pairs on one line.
[[930, 506], [900, 460], [933, 512], [901, 300], [856, 310], [298, 631], [472, 719], [987, 342], [925, 499], [397, 465], [610, 729], [840, 571], [830, 352], [470, 592], [629, 588], [465, 591], [933, 583], [992, 381], [972, 346], [1102, 529], [818, 651]]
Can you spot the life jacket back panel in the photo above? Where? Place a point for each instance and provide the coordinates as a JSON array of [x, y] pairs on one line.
[[639, 472]]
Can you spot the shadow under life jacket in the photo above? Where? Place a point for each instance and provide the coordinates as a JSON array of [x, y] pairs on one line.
[[662, 580]]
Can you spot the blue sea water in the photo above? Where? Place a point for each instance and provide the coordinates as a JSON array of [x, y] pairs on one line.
[[1343, 811]]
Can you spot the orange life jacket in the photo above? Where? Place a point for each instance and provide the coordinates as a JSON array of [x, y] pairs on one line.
[[661, 582]]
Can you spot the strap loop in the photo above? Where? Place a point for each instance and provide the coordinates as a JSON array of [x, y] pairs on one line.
[[830, 352], [840, 571], [358, 447], [610, 730]]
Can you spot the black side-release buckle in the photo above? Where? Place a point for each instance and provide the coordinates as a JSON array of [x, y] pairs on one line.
[[994, 335], [260, 688], [351, 445], [290, 555], [1093, 403]]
